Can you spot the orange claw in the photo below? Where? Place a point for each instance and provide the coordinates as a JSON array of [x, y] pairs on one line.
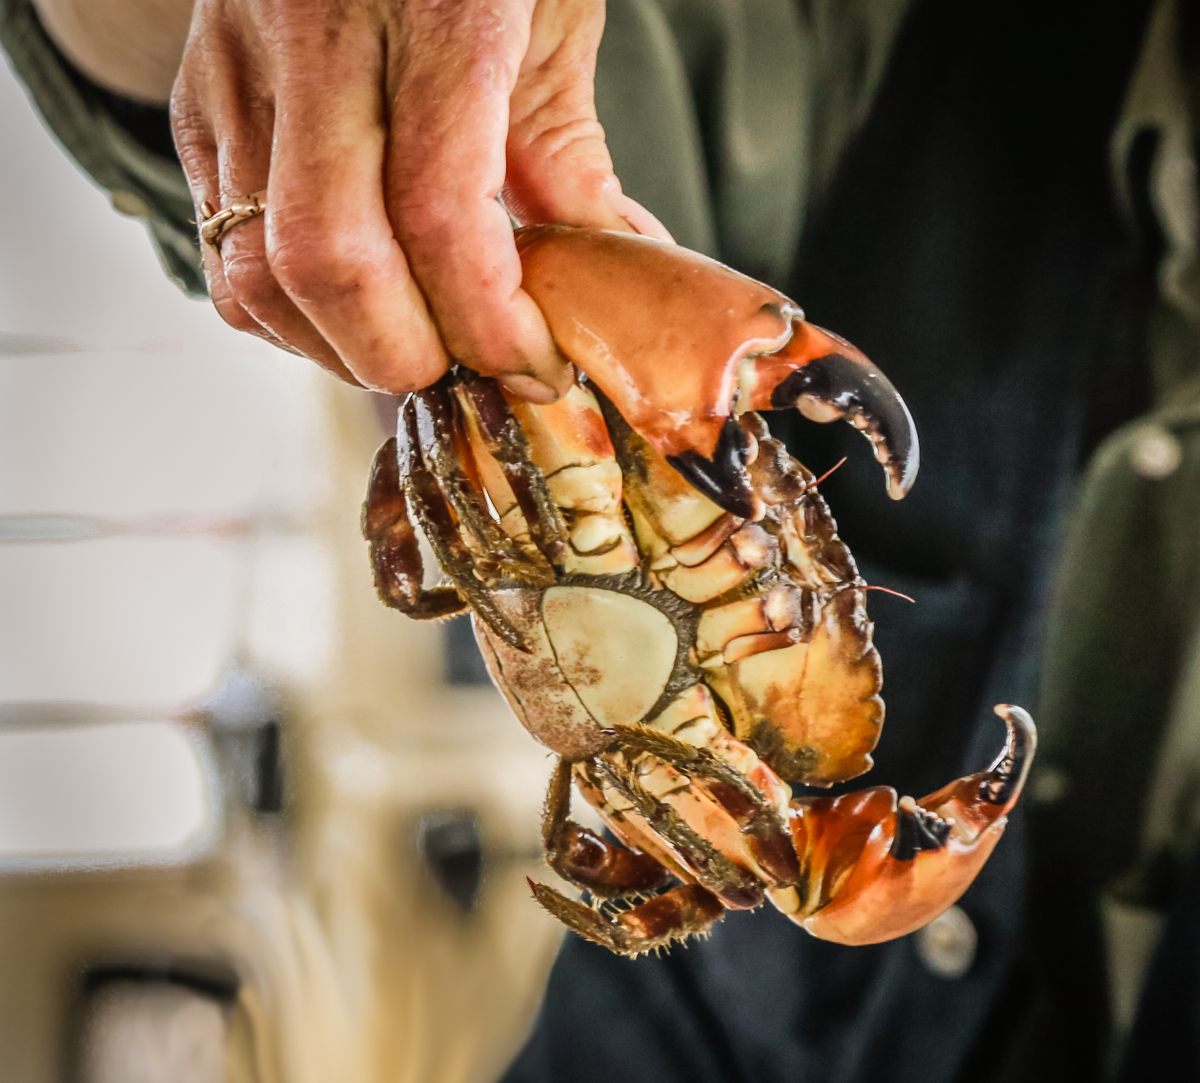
[[718, 344], [874, 866]]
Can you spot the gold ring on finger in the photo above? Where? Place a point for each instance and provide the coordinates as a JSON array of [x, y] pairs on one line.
[[217, 223]]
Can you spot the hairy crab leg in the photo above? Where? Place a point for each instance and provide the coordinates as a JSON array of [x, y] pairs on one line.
[[586, 859], [684, 911], [876, 867], [433, 512], [756, 817], [444, 452], [392, 543], [505, 440], [737, 887], [571, 464]]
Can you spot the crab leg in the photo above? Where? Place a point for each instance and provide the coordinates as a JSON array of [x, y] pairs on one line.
[[753, 813], [606, 870], [392, 543], [588, 860], [505, 441], [736, 886], [876, 867], [674, 915], [433, 512], [444, 452]]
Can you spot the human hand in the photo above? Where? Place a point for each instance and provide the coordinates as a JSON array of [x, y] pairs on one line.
[[383, 133]]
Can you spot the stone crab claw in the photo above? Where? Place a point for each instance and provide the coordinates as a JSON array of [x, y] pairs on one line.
[[720, 344], [874, 866]]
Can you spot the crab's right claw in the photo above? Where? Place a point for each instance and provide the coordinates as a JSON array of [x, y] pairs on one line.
[[876, 866], [680, 345]]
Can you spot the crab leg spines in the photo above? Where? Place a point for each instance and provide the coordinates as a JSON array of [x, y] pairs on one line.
[[444, 451], [736, 887], [505, 440], [684, 911], [392, 544], [877, 866], [566, 466], [756, 817], [586, 859], [428, 502]]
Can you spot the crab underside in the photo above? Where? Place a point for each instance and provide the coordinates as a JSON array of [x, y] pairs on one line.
[[667, 606]]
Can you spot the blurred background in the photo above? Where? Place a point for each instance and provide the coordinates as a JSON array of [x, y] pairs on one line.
[[253, 826]]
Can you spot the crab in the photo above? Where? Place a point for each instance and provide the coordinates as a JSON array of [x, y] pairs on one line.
[[660, 593]]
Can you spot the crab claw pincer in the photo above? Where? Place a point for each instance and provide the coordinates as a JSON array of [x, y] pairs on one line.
[[874, 867], [719, 344]]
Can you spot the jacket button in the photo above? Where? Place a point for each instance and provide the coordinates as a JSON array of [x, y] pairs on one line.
[[1157, 453], [947, 944]]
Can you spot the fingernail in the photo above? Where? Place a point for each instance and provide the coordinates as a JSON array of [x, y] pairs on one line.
[[530, 388], [564, 378], [638, 218]]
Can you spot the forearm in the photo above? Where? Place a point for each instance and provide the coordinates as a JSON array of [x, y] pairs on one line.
[[132, 47]]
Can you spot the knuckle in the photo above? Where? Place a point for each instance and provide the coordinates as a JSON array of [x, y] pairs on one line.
[[423, 211], [315, 258], [193, 139]]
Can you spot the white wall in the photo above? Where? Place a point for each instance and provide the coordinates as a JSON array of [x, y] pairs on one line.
[[131, 413]]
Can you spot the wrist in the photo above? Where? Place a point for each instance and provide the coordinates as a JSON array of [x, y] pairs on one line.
[[131, 47]]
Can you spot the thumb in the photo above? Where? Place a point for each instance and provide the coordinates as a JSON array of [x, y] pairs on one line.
[[559, 169]]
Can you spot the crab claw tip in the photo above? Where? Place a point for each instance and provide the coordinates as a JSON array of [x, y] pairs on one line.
[[845, 384], [1006, 776]]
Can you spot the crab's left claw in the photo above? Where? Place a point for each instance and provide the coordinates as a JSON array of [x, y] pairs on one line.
[[874, 866]]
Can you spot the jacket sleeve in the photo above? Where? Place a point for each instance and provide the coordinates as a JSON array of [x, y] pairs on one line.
[[125, 147]]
